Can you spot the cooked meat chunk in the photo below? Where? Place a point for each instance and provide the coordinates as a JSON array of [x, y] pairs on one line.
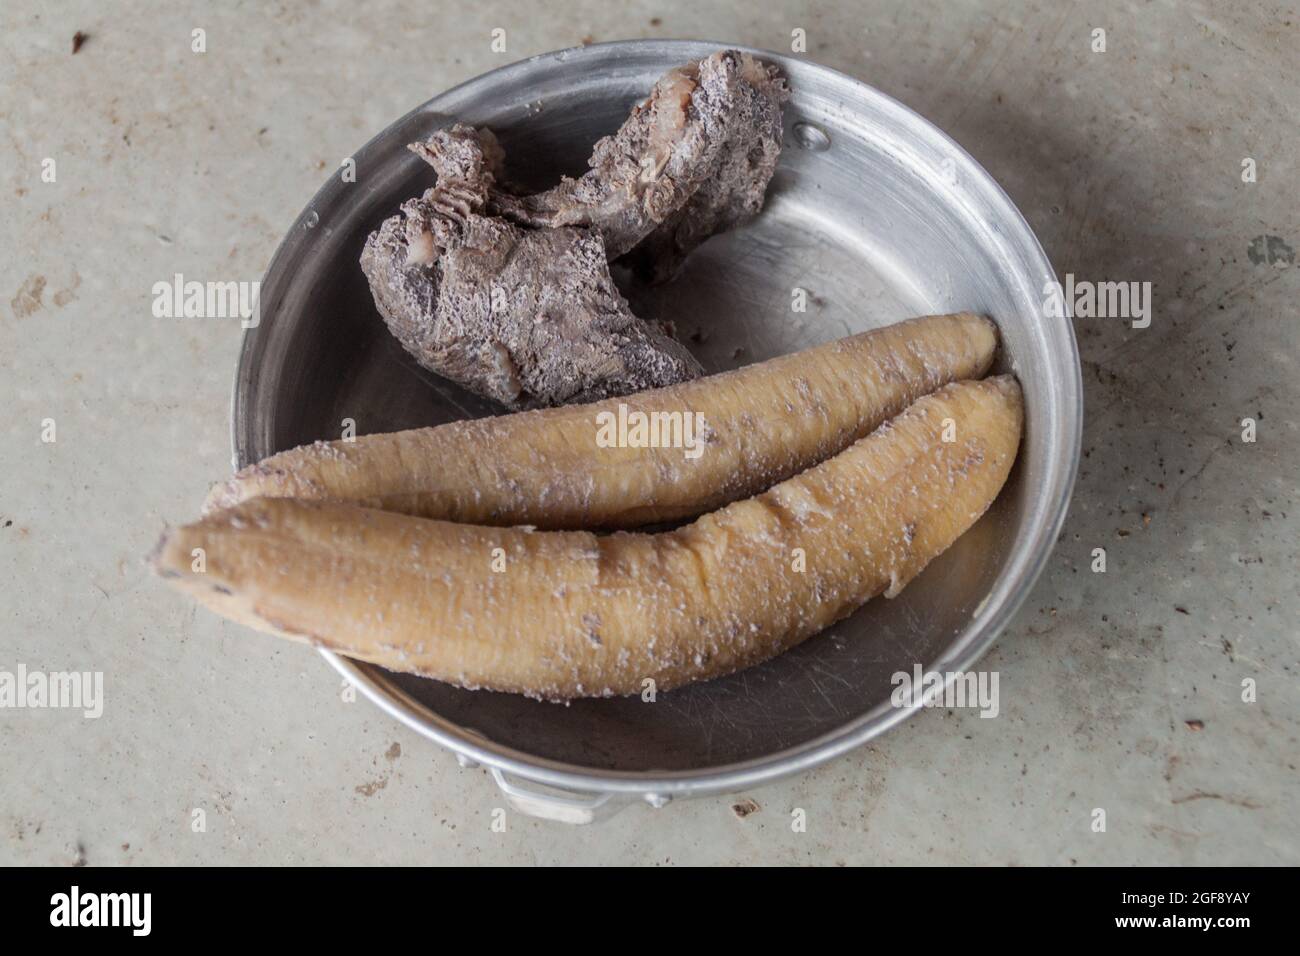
[[693, 159], [750, 130], [511, 295], [523, 316]]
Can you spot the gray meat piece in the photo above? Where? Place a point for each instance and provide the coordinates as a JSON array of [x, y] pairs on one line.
[[693, 159], [750, 131], [527, 317], [511, 295]]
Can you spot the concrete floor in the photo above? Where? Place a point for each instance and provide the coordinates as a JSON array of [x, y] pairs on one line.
[[1127, 685]]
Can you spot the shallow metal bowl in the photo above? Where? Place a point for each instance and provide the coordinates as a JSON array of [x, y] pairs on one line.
[[878, 216]]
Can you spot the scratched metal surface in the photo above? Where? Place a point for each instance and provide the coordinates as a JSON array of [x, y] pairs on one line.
[[875, 219]]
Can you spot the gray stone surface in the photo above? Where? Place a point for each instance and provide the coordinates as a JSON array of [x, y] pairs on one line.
[[1128, 165]]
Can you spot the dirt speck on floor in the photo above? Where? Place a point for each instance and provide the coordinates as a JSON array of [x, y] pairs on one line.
[[28, 297], [63, 296]]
